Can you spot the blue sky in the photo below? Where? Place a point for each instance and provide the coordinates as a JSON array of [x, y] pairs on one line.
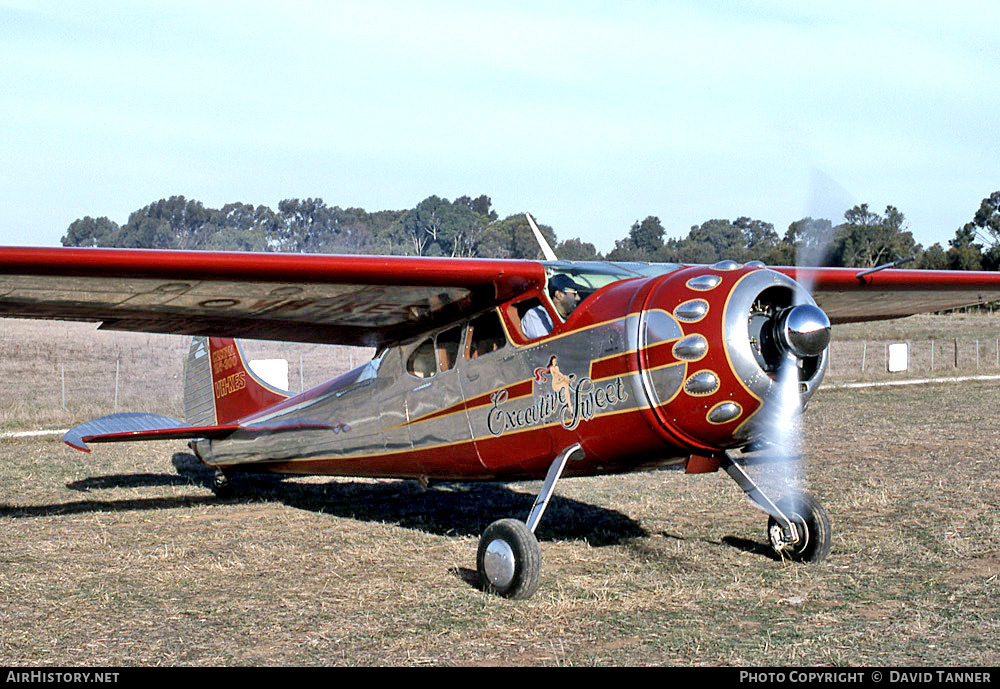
[[591, 115]]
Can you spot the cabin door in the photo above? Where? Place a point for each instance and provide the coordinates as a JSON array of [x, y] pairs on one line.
[[437, 419]]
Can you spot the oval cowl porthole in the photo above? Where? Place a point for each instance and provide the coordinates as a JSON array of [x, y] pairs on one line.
[[725, 412], [691, 348], [702, 383], [691, 311], [703, 283]]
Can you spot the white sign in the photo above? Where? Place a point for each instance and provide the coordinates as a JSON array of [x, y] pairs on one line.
[[897, 357]]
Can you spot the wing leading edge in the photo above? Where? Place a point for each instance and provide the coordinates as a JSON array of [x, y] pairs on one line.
[[357, 300]]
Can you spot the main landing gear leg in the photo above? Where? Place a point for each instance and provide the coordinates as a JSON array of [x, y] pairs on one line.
[[509, 558], [798, 527]]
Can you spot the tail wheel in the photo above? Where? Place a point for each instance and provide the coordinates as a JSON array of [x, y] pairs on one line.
[[812, 524], [509, 559], [221, 485]]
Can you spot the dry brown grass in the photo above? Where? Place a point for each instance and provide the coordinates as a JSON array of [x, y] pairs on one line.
[[124, 557]]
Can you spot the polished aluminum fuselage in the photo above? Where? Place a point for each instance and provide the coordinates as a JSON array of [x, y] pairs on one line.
[[499, 414]]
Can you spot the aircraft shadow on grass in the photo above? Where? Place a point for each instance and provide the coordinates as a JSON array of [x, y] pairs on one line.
[[444, 508]]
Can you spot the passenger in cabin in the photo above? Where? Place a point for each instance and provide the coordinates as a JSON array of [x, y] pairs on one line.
[[565, 294], [486, 335]]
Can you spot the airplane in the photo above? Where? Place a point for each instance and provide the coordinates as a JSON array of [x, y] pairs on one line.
[[657, 365]]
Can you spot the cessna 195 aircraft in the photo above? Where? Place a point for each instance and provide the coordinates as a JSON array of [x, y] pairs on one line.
[[658, 364]]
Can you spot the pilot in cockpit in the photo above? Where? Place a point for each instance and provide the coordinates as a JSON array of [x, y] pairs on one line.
[[565, 295]]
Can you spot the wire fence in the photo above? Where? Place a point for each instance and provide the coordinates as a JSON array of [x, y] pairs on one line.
[[122, 385], [115, 384], [863, 359]]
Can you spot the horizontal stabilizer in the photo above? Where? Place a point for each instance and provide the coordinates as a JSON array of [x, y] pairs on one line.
[[138, 426]]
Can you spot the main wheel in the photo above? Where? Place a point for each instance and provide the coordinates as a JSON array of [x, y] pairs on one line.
[[509, 559], [811, 523]]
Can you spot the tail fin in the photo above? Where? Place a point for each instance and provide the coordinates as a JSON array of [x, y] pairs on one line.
[[219, 386]]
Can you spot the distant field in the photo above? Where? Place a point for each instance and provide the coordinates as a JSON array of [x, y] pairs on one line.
[[124, 556], [859, 350], [966, 326], [53, 361]]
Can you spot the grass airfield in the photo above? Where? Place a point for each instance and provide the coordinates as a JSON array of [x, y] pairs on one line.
[[124, 557]]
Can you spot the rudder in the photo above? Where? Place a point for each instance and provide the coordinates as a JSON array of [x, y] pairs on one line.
[[220, 387]]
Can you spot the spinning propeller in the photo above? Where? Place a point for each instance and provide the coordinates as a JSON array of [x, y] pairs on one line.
[[799, 332]]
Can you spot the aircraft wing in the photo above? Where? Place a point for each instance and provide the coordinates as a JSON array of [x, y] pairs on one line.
[[365, 300], [847, 295], [356, 300]]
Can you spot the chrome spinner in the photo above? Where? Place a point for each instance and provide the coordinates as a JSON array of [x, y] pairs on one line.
[[767, 315]]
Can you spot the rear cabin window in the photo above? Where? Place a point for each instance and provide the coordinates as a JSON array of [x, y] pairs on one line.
[[421, 361], [447, 347], [485, 335]]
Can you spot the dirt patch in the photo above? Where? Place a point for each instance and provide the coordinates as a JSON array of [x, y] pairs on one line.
[[986, 568]]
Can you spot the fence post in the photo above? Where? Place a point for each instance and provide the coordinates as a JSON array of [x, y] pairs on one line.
[[864, 355], [62, 374], [956, 352], [117, 366]]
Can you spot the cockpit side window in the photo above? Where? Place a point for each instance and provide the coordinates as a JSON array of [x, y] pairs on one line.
[[485, 335], [531, 317]]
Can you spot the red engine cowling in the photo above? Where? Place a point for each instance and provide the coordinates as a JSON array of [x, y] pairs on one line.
[[710, 343]]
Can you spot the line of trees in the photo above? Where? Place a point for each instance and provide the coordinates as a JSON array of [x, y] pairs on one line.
[[865, 239], [469, 227], [435, 227]]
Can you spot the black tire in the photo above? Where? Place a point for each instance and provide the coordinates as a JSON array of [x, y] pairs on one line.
[[222, 486], [516, 578], [812, 521]]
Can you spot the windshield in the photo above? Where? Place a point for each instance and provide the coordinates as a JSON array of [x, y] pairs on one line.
[[594, 275]]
